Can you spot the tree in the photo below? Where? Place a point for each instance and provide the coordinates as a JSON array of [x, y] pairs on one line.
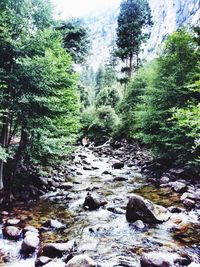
[[99, 80], [133, 19], [76, 39], [170, 100], [39, 104], [108, 96], [99, 124]]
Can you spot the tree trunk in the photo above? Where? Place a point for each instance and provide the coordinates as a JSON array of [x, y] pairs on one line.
[[4, 143], [130, 65], [18, 156]]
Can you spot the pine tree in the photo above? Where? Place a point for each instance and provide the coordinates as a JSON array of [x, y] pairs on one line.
[[133, 19]]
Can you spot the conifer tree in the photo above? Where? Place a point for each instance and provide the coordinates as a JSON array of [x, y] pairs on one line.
[[133, 19]]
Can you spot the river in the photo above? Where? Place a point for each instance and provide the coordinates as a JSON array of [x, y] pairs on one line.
[[104, 234]]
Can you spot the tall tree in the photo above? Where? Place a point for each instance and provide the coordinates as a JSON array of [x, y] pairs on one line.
[[133, 19]]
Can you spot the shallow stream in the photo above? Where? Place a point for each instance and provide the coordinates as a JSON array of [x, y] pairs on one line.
[[104, 234]]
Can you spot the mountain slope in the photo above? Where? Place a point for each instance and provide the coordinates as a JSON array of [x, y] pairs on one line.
[[167, 16]]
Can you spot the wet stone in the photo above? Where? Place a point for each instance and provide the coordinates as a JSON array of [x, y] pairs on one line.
[[41, 261], [139, 224], [29, 233], [66, 186], [54, 224], [12, 222], [178, 186], [87, 168], [118, 165], [164, 180], [4, 213], [154, 260], [189, 203], [57, 250], [81, 261], [11, 232], [29, 228], [120, 179], [139, 208], [30, 243], [93, 202]]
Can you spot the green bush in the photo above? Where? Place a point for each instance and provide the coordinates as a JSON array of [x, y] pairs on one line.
[[100, 124]]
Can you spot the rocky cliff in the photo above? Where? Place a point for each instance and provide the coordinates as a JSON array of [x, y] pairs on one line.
[[167, 16]]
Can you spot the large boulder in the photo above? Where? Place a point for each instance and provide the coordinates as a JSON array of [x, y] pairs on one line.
[[139, 208], [57, 250], [81, 260]]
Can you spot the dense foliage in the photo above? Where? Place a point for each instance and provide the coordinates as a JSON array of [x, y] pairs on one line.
[[38, 99], [162, 103], [100, 123]]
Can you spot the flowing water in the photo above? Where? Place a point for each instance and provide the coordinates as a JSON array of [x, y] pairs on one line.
[[104, 234]]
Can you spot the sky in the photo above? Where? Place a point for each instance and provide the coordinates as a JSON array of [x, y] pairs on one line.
[[78, 8]]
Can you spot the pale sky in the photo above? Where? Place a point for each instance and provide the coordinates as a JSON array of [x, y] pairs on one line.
[[79, 8]]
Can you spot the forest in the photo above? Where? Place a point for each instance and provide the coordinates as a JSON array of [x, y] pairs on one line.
[[69, 133]]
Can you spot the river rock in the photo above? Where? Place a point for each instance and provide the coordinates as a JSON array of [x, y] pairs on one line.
[[118, 165], [116, 210], [30, 243], [41, 261], [93, 202], [11, 232], [29, 233], [164, 180], [139, 224], [29, 228], [12, 222], [4, 213], [187, 195], [120, 179], [107, 172], [189, 203], [66, 186], [81, 261], [139, 208], [54, 224], [178, 186], [183, 261], [154, 260], [57, 250], [87, 168]]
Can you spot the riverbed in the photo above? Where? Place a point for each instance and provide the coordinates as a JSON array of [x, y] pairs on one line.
[[104, 234]]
